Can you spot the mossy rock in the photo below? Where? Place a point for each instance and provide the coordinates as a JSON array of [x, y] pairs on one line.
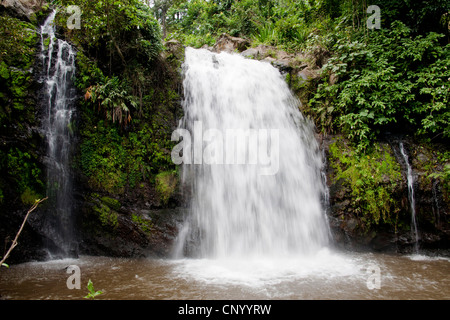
[[166, 185], [107, 216], [144, 224], [111, 203], [372, 179], [28, 197]]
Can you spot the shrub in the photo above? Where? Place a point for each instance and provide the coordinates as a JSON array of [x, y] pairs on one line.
[[385, 79]]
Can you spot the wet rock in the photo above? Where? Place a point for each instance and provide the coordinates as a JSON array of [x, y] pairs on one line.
[[351, 224], [383, 241], [278, 58], [283, 65], [251, 53], [333, 79], [308, 74], [230, 44], [132, 227]]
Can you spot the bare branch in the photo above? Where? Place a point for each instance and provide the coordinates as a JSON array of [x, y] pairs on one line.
[[14, 243]]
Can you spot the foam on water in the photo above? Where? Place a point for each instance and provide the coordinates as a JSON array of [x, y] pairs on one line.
[[263, 271]]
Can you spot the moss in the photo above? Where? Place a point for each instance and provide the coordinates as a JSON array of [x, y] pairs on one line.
[[146, 225], [24, 172], [29, 197], [17, 48], [19, 166], [17, 57], [166, 184], [111, 203], [115, 162], [107, 216], [372, 178], [4, 70], [434, 163]]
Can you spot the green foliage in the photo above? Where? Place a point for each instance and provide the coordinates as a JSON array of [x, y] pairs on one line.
[[24, 172], [114, 98], [107, 216], [444, 176], [372, 179], [113, 162], [110, 25], [387, 78], [202, 21], [439, 168], [103, 159], [29, 197], [17, 44], [115, 153], [88, 73], [92, 293], [285, 23], [266, 34], [111, 203], [17, 54], [119, 44]]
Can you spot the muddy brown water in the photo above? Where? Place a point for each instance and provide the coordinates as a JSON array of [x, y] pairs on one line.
[[328, 275]]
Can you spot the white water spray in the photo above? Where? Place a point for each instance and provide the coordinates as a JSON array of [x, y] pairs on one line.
[[236, 212]]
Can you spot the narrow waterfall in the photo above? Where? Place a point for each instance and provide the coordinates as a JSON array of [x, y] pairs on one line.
[[58, 59], [251, 162], [410, 177]]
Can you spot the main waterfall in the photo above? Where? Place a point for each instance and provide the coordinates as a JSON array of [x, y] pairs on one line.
[[254, 171]]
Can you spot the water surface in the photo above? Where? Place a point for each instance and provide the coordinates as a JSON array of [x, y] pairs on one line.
[[327, 275]]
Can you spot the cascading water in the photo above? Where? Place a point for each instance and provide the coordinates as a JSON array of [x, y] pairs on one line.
[[255, 171], [58, 59], [412, 201]]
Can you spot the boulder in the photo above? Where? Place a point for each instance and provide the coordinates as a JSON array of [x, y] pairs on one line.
[[22, 8], [230, 44], [251, 53], [307, 74], [174, 48]]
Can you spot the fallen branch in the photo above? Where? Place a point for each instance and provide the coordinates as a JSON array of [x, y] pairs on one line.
[[14, 243]]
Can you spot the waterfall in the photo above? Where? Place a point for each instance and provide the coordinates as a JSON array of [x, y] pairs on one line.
[[58, 59], [250, 160], [410, 178]]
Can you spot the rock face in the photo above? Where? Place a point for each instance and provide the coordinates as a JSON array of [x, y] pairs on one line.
[[280, 59], [130, 225], [431, 201], [230, 44], [174, 49], [22, 8], [21, 155]]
